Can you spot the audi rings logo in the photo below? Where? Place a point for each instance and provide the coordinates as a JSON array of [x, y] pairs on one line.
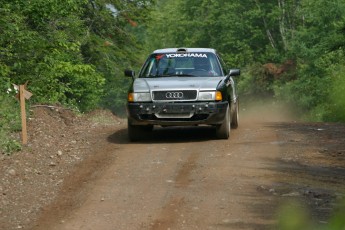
[[174, 95]]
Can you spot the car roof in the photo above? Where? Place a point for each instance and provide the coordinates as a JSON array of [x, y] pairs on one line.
[[174, 50]]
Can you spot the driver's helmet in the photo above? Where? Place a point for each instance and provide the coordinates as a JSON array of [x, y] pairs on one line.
[[201, 64]]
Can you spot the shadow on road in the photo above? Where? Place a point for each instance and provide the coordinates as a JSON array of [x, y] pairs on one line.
[[309, 167], [168, 134]]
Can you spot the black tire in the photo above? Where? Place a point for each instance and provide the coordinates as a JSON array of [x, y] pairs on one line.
[[223, 130], [137, 132], [235, 117]]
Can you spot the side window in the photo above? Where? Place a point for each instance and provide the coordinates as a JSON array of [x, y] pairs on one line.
[[148, 67], [222, 63]]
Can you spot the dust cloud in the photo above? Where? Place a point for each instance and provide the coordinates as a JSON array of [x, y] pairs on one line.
[[267, 111]]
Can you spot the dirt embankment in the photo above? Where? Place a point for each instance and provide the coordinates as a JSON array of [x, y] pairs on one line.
[[59, 140], [82, 173]]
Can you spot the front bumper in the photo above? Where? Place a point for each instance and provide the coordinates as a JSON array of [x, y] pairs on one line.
[[176, 114]]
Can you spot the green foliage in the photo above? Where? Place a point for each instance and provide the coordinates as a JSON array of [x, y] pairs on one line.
[[113, 45], [75, 53], [252, 34], [10, 146], [73, 84], [41, 44], [305, 93], [255, 81], [9, 121], [337, 221], [71, 52], [115, 97], [293, 216], [336, 105], [234, 28]]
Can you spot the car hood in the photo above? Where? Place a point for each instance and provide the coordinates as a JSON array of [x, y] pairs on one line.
[[180, 83]]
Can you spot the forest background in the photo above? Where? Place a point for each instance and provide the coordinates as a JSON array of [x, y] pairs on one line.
[[73, 52]]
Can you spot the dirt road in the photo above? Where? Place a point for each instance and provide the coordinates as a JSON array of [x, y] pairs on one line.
[[184, 178]]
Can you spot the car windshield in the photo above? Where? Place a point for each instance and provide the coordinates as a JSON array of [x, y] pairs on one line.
[[198, 64]]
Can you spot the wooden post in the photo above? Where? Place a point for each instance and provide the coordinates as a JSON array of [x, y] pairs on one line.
[[23, 95], [23, 112]]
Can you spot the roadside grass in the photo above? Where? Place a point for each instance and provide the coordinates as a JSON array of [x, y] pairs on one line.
[[293, 216], [9, 124]]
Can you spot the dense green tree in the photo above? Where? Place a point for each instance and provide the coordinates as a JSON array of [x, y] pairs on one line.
[[318, 47], [288, 49], [75, 52], [71, 52], [244, 31], [41, 41], [68, 50], [113, 44]]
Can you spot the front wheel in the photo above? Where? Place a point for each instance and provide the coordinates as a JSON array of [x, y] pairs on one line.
[[223, 130], [235, 117]]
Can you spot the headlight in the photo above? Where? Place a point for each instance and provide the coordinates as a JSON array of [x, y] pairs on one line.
[[210, 96], [139, 97]]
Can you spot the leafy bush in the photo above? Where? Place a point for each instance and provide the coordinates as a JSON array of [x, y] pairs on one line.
[[293, 216], [115, 97], [307, 94], [9, 122], [255, 82], [9, 146], [336, 105], [67, 83], [317, 92]]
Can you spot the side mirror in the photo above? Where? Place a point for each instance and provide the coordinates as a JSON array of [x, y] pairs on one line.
[[130, 73], [234, 72]]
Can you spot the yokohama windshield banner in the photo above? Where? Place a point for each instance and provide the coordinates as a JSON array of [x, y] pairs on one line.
[[196, 55]]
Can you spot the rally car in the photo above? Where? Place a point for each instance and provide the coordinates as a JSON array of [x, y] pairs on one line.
[[182, 87]]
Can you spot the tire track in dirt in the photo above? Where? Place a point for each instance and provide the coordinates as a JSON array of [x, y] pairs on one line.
[[180, 183], [168, 216], [77, 186], [184, 178]]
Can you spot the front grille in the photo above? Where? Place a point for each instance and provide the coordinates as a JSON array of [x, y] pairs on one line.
[[174, 95]]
